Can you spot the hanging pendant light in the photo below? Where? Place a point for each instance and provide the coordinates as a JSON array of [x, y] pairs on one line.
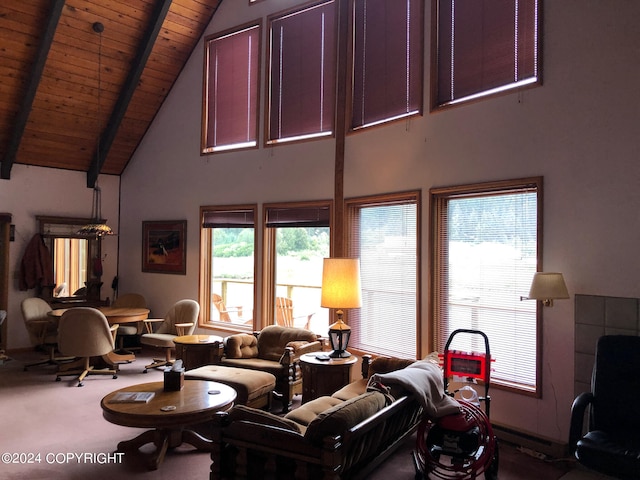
[[97, 227]]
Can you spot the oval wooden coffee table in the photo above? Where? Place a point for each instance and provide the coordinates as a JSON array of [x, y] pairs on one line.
[[168, 413]]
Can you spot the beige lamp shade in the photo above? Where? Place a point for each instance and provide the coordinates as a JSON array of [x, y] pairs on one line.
[[341, 283], [548, 286], [340, 289]]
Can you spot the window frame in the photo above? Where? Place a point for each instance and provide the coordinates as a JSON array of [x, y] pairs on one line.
[[419, 68], [481, 94], [437, 196], [269, 249], [270, 139], [205, 147], [204, 286], [352, 208]]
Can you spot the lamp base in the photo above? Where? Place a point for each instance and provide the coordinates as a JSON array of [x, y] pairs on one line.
[[339, 354]]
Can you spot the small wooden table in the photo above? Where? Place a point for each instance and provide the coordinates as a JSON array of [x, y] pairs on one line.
[[324, 377], [198, 350], [168, 413]]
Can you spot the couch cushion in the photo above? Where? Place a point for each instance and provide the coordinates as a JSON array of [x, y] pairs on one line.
[[307, 412], [241, 345], [352, 390], [240, 412], [338, 419], [275, 368]]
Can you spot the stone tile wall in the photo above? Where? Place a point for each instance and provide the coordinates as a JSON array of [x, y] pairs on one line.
[[596, 316]]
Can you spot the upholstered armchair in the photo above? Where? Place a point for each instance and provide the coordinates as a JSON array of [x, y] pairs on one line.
[[275, 350]]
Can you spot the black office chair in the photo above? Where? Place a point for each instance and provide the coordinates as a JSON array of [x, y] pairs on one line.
[[611, 444]]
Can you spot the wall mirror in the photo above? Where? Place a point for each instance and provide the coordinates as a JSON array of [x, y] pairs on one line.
[[76, 260]]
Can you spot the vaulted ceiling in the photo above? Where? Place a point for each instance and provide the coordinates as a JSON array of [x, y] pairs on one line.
[[74, 98]]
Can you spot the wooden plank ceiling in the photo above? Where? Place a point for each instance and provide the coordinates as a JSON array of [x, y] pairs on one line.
[[49, 61]]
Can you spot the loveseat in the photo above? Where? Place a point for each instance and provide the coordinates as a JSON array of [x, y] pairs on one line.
[[342, 436]]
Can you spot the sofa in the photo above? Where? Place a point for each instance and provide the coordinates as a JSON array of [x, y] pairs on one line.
[[275, 350], [342, 436]]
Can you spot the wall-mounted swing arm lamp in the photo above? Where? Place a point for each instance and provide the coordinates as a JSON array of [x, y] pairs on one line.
[[547, 287]]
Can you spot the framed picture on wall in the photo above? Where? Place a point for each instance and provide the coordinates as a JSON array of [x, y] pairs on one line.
[[164, 247]]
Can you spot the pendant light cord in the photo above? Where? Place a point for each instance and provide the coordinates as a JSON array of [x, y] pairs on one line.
[[99, 28]]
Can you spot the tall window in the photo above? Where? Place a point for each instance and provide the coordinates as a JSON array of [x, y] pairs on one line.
[[302, 73], [387, 60], [297, 238], [486, 250], [230, 118], [227, 266], [384, 233], [484, 48]]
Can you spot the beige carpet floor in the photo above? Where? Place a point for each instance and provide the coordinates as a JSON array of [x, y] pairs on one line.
[[55, 430]]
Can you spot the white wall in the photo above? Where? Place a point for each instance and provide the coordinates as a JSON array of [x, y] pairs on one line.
[[579, 130], [35, 191]]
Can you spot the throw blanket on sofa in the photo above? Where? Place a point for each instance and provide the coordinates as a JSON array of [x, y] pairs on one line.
[[423, 379]]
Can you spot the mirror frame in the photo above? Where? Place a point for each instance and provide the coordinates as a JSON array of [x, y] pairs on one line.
[[93, 282]]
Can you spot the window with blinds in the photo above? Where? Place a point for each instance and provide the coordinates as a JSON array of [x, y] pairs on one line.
[[485, 253], [484, 48], [227, 267], [387, 60], [302, 57], [383, 232], [230, 118], [297, 239]]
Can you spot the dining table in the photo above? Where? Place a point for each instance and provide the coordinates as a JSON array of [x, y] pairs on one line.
[[114, 315]]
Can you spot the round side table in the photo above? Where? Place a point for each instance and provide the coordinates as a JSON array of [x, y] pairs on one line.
[[324, 377], [198, 350]]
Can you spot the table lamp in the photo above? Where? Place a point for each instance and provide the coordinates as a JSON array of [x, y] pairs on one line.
[[340, 289]]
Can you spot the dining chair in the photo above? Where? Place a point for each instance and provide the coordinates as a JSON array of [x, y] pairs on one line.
[[84, 332], [42, 329], [180, 320], [130, 332]]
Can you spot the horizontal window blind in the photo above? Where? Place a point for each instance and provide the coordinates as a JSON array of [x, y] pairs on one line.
[[385, 238], [486, 256], [231, 97], [311, 216], [387, 60], [302, 73], [240, 218], [485, 46]]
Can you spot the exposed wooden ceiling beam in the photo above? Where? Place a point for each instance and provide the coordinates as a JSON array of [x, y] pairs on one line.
[[32, 86], [127, 91]]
